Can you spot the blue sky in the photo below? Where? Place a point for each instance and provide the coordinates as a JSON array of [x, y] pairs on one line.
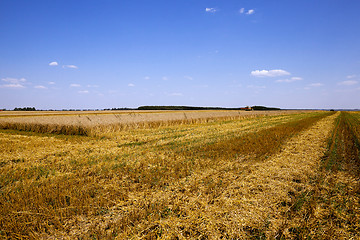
[[127, 53]]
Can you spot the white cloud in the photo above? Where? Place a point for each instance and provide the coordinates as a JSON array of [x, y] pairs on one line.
[[75, 85], [212, 10], [131, 85], [40, 87], [351, 76], [12, 85], [13, 82], [316, 85], [53, 64], [248, 12], [284, 81], [83, 92], [348, 83], [188, 77], [251, 11], [269, 73], [70, 66], [51, 83], [146, 77], [165, 78], [92, 86], [289, 80]]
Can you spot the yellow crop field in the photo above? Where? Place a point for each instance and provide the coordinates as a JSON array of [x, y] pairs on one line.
[[180, 175], [94, 122]]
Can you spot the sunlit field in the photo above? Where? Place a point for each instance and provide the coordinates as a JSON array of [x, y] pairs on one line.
[[180, 175], [95, 122]]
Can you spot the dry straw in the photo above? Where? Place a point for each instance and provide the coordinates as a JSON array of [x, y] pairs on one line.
[[231, 177]]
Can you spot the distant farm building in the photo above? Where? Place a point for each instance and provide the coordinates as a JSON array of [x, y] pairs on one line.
[[247, 108]]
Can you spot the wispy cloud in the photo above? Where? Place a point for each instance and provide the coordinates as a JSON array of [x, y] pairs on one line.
[[131, 85], [83, 92], [188, 77], [13, 83], [75, 85], [351, 76], [51, 83], [165, 78], [53, 64], [348, 83], [146, 77], [14, 80], [92, 86], [316, 85], [289, 80], [40, 87], [269, 73], [251, 11], [212, 10], [70, 66], [247, 12]]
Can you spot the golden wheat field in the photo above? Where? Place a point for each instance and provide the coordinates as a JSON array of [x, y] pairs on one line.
[[54, 121], [180, 175]]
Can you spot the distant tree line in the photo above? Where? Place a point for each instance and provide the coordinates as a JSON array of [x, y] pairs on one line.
[[258, 108], [176, 108], [25, 109], [114, 109], [262, 108]]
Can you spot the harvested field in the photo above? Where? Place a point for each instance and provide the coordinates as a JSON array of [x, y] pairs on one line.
[[287, 175]]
